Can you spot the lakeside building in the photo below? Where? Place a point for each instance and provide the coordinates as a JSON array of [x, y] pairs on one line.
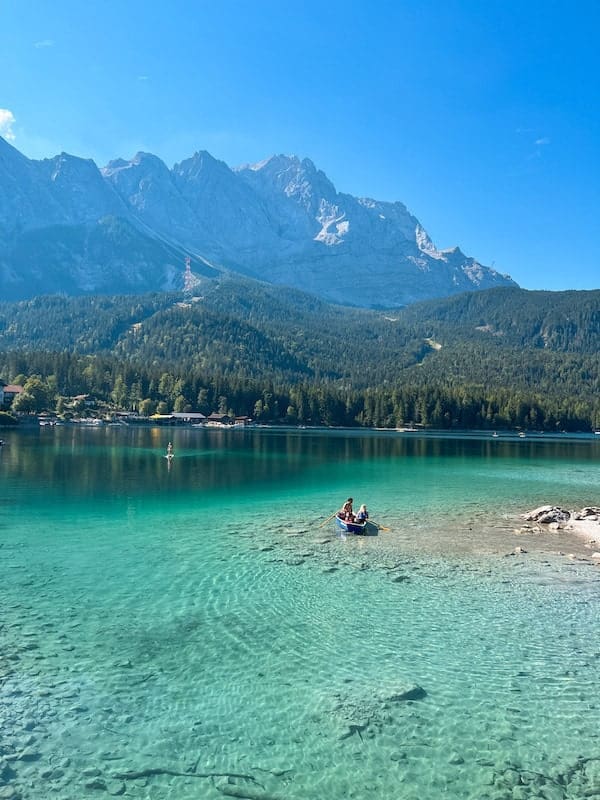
[[190, 417], [8, 392]]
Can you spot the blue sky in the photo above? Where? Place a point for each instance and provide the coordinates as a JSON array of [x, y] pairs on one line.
[[482, 117]]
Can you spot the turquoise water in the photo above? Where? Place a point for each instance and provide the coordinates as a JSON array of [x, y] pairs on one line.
[[193, 630]]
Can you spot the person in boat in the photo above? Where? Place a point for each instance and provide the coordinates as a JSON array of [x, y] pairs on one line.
[[363, 514], [170, 450], [346, 512]]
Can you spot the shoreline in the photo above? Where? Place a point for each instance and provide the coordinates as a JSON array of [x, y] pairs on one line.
[[584, 523], [587, 529], [506, 435], [582, 529]]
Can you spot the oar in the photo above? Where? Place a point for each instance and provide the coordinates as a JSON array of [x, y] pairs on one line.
[[380, 527], [328, 519]]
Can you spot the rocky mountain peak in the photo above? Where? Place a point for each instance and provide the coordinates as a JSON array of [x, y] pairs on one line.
[[200, 166], [280, 220], [147, 161], [10, 154], [66, 168]]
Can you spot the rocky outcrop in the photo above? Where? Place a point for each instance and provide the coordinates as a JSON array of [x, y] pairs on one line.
[[547, 515], [591, 513]]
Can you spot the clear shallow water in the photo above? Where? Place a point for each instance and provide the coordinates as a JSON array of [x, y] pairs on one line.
[[196, 619]]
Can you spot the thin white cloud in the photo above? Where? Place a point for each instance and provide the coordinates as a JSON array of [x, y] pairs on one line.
[[142, 77], [44, 43], [543, 140], [7, 120]]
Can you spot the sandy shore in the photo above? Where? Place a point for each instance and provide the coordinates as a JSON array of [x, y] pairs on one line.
[[586, 531]]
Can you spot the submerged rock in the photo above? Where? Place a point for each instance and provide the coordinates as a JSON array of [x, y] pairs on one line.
[[115, 788], [247, 792], [29, 754], [9, 793], [7, 773], [414, 692], [96, 783]]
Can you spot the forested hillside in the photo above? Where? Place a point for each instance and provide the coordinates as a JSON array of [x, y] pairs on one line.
[[566, 322], [501, 358]]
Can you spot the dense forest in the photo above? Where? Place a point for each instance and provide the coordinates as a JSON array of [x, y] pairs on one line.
[[503, 358]]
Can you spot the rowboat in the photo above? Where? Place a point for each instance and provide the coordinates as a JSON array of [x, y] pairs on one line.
[[351, 527]]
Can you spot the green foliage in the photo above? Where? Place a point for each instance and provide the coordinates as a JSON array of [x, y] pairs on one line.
[[7, 419], [501, 358], [564, 322], [37, 395]]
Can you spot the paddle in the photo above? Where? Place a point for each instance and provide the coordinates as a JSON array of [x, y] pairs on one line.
[[328, 519], [380, 527]]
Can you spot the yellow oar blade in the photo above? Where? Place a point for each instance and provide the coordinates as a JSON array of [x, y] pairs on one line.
[[381, 527]]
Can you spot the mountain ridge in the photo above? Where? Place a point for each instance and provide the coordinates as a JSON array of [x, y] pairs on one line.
[[280, 220]]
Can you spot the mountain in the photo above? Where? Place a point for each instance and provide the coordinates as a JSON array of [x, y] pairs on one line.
[[67, 226]]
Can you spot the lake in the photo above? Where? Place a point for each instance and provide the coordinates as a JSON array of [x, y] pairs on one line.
[[196, 628]]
